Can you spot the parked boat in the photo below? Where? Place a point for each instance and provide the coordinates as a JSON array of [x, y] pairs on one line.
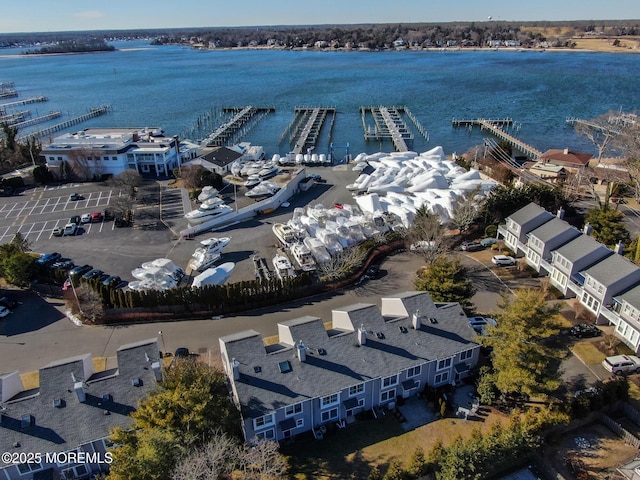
[[214, 276], [268, 172], [283, 267], [317, 249], [264, 189], [207, 211], [284, 232], [208, 253], [252, 181], [207, 193], [302, 256]]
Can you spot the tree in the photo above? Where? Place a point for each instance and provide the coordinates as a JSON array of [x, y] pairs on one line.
[[191, 405], [21, 243], [502, 201], [427, 232], [342, 263], [467, 210], [219, 456], [445, 280], [127, 181], [42, 175], [521, 361], [417, 463], [601, 131], [608, 225]]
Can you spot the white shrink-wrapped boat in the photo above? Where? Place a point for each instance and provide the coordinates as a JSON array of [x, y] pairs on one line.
[[207, 193], [317, 249], [329, 240], [214, 276]]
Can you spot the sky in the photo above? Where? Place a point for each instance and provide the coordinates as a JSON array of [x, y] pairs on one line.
[[64, 15]]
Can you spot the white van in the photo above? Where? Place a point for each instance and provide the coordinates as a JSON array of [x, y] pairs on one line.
[[620, 364]]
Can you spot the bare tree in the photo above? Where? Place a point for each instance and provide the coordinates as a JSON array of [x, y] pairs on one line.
[[426, 235], [601, 131], [342, 263], [80, 164], [467, 210], [220, 456], [263, 461], [127, 181]]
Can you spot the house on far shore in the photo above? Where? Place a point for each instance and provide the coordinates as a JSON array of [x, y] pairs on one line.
[[320, 376]]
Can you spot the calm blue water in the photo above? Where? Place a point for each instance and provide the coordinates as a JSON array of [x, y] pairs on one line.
[[171, 86]]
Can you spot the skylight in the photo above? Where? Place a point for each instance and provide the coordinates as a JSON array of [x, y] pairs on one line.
[[285, 366]]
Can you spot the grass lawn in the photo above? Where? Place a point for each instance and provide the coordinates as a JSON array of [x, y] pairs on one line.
[[588, 353], [352, 452]]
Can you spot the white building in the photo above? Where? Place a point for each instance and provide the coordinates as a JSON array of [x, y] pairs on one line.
[[95, 152]]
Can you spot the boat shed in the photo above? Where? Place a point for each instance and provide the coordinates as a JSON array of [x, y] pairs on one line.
[[218, 159]]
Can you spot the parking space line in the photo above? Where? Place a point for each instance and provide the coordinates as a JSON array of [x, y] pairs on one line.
[[45, 205]]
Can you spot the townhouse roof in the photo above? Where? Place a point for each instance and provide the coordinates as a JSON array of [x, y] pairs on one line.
[[581, 247], [272, 377], [612, 269], [551, 229], [52, 417], [631, 296], [530, 213]]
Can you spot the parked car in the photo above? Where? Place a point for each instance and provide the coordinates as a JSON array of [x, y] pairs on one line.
[[585, 330], [70, 229], [85, 218], [487, 242], [94, 273], [8, 302], [479, 323], [48, 258], [80, 270], [503, 260], [96, 217], [65, 264], [75, 219], [621, 364], [4, 311], [75, 196], [112, 281], [471, 246], [58, 231]]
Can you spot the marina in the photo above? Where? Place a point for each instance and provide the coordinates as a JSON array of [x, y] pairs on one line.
[[237, 126], [305, 127], [93, 112], [389, 124]]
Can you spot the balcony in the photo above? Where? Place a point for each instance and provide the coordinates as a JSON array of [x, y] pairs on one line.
[[610, 315], [546, 264]]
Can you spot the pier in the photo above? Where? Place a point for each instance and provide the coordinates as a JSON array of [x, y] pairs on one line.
[[612, 128], [93, 112], [26, 101], [238, 125], [305, 128], [494, 127], [11, 118], [36, 120], [388, 124]]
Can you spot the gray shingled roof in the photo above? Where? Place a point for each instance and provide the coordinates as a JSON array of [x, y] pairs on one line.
[[612, 269], [550, 230], [631, 296], [581, 247], [528, 213], [59, 429], [334, 360]]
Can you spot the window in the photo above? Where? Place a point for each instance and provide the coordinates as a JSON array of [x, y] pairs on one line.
[[466, 354], [291, 410], [329, 415], [356, 389], [300, 422], [266, 435], [114, 159], [52, 159], [387, 396], [390, 381], [441, 377], [442, 364], [590, 302], [329, 400], [560, 278], [24, 468], [263, 421], [59, 159], [106, 158], [414, 371]]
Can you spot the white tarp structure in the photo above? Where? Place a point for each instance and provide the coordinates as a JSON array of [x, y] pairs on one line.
[[214, 276]]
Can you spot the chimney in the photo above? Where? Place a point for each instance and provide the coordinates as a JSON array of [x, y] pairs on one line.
[[587, 229], [362, 335], [79, 388], [157, 372], [566, 151], [620, 248], [302, 351], [235, 367], [560, 213], [415, 319]]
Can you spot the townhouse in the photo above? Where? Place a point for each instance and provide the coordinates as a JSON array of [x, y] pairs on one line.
[[602, 279], [71, 413], [320, 375]]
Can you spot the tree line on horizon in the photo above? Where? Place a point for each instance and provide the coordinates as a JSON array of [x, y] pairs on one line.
[[373, 36]]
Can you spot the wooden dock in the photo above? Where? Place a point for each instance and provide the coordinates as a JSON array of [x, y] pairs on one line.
[[494, 127], [36, 120], [388, 125], [26, 101], [305, 128], [237, 126], [15, 117], [93, 112]]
